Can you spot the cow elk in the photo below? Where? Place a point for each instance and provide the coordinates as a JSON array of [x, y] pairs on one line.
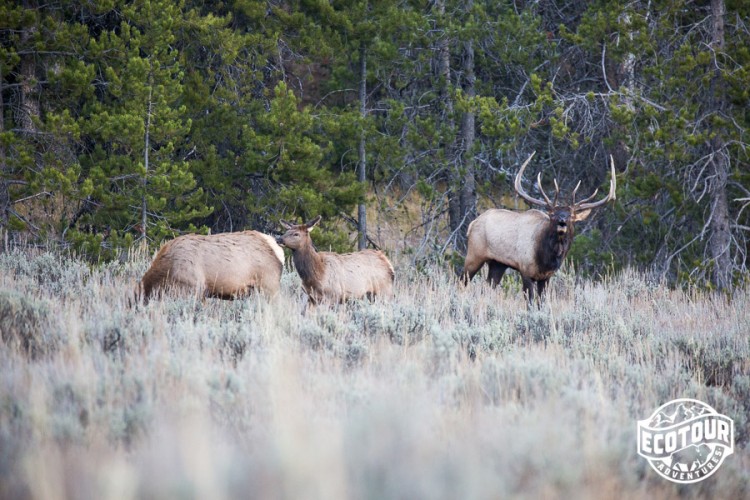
[[226, 266], [533, 242], [333, 277]]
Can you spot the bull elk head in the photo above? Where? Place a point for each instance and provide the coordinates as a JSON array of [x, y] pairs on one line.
[[565, 215], [534, 242]]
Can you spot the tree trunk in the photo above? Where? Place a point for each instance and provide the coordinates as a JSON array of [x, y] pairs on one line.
[[29, 97], [444, 68], [468, 194], [719, 229], [362, 165], [4, 171], [144, 181], [452, 178]]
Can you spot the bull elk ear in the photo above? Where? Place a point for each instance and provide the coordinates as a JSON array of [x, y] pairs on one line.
[[287, 225], [312, 223], [582, 215]]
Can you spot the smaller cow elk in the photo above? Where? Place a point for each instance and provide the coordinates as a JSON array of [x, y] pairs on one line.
[[333, 277], [533, 242], [226, 265]]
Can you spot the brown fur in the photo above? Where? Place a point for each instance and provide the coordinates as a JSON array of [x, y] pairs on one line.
[[332, 277], [227, 265], [533, 242]]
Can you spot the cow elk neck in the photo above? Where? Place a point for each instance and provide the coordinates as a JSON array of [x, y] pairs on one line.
[[309, 264]]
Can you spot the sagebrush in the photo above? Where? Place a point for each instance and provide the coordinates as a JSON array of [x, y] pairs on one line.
[[439, 392]]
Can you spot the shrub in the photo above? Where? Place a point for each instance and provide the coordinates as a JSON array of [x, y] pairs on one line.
[[25, 325]]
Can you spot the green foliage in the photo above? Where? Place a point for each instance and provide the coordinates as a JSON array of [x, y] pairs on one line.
[[587, 253], [252, 114], [287, 155]]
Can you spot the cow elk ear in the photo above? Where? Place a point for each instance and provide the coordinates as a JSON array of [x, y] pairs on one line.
[[582, 215], [287, 225], [312, 223]]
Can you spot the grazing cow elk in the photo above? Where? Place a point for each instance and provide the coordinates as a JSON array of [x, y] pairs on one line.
[[332, 277], [226, 265], [533, 242]]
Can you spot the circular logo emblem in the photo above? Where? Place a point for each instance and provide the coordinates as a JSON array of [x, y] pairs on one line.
[[685, 440]]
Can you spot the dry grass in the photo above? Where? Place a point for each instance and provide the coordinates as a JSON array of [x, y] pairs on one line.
[[438, 393]]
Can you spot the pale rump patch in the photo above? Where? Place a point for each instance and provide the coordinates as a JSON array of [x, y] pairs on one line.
[[274, 246], [388, 263]]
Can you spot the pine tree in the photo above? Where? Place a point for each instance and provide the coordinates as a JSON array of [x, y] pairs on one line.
[[136, 185], [683, 124], [36, 170]]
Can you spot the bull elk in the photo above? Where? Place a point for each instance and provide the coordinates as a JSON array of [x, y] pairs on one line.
[[226, 265], [533, 242], [333, 277]]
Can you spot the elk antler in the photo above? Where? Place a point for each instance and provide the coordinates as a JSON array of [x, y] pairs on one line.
[[557, 193], [523, 194], [535, 201], [584, 205], [541, 189]]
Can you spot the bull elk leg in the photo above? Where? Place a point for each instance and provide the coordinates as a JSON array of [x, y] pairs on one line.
[[541, 285], [529, 289], [472, 265], [534, 290], [495, 272]]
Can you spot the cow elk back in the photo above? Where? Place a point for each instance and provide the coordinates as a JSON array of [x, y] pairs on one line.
[[226, 265]]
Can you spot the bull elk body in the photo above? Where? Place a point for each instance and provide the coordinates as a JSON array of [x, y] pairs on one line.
[[226, 265], [534, 242], [333, 277]]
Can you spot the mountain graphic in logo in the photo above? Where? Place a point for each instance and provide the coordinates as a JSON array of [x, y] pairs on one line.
[[683, 412]]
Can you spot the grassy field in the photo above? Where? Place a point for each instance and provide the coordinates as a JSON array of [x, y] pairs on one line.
[[440, 392]]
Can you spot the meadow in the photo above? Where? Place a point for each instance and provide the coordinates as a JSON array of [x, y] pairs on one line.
[[439, 392]]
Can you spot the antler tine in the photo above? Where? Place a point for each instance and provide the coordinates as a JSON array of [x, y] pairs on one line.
[[573, 200], [596, 191], [612, 191], [519, 189], [557, 193], [541, 189]]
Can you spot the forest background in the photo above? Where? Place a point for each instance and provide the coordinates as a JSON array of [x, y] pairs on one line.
[[399, 120]]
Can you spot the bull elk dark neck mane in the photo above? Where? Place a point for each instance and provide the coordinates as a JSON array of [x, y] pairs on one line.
[[553, 248]]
